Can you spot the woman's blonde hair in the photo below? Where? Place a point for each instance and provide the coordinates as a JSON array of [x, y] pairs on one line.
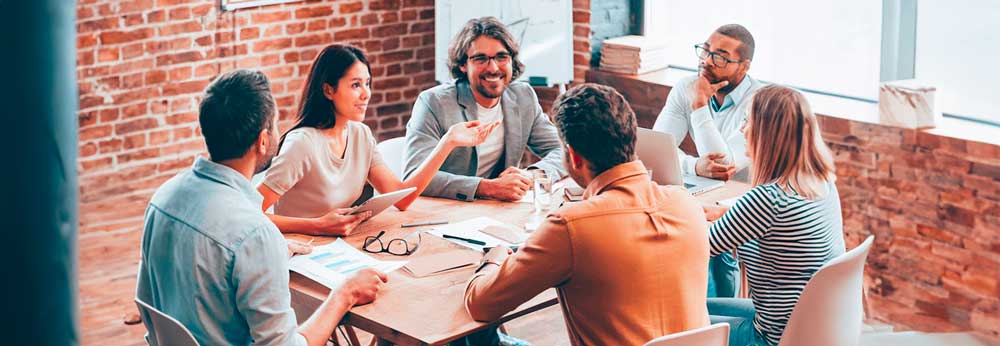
[[785, 144]]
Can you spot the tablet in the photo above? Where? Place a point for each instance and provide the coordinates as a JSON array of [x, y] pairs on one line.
[[382, 202]]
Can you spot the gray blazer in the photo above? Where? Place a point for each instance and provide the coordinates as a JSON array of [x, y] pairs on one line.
[[524, 124]]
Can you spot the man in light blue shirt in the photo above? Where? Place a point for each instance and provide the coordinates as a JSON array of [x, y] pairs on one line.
[[210, 258], [694, 107], [711, 106]]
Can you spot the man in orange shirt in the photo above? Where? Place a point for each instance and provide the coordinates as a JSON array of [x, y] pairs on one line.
[[630, 261]]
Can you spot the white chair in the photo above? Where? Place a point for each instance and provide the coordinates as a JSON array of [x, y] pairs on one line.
[[392, 154], [163, 330], [829, 311], [713, 335]]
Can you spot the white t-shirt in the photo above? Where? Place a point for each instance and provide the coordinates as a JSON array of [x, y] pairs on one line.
[[489, 151], [312, 180]]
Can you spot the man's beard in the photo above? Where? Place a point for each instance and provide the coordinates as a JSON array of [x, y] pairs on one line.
[[483, 90], [715, 79], [265, 163]]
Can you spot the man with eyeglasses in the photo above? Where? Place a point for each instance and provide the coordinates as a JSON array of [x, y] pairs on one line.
[[711, 107], [483, 58]]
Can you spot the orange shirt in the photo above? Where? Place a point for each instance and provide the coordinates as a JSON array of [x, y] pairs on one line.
[[630, 263]]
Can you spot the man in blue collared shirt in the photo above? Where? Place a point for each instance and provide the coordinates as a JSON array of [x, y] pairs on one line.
[[693, 107], [711, 106], [210, 258]]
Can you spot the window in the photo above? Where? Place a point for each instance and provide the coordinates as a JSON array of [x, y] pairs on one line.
[[958, 51], [846, 47], [836, 50]]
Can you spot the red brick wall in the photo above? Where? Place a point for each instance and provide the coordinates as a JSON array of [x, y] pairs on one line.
[[142, 66], [933, 204]]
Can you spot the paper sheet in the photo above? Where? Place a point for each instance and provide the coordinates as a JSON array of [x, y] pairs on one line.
[[470, 229], [332, 263]]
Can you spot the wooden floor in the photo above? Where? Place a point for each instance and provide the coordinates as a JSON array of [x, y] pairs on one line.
[[107, 288]]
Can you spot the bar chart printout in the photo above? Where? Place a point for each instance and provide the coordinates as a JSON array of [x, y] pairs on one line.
[[332, 263]]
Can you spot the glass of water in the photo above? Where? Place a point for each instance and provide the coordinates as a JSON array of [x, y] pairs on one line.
[[542, 190]]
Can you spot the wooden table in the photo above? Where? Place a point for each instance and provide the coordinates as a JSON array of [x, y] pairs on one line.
[[430, 310]]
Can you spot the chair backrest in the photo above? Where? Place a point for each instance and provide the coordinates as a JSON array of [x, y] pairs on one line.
[[164, 330], [713, 335], [392, 154], [829, 310]]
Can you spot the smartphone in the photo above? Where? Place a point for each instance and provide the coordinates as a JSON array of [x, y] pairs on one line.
[[573, 193]]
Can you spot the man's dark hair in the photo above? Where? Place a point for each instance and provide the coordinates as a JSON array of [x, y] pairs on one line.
[[236, 107], [458, 51], [598, 123], [739, 33]]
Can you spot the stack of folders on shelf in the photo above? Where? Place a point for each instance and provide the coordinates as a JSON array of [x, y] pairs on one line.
[[633, 54]]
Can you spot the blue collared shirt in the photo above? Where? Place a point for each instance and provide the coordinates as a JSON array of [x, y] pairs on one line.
[[214, 262]]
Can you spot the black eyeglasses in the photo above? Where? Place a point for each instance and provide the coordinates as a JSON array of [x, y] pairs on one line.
[[502, 58], [398, 246], [717, 60]]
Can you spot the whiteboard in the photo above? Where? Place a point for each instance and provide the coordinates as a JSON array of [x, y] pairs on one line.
[[543, 29]]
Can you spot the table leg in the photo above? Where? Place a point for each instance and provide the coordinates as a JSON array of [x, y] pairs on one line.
[[352, 337]]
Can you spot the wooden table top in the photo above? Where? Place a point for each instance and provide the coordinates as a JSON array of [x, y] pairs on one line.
[[431, 310]]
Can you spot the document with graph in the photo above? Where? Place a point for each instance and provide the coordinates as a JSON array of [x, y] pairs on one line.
[[332, 263]]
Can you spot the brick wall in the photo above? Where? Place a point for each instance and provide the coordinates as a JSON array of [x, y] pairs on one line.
[[142, 66], [932, 202]]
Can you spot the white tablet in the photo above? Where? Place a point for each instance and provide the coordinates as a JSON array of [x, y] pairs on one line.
[[382, 202]]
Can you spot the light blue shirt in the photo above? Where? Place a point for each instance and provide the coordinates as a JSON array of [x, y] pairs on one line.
[[213, 261], [708, 124]]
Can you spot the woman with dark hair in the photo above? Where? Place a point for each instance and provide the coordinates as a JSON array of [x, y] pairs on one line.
[[326, 158]]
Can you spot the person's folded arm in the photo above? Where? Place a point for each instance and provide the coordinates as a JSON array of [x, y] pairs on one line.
[[545, 261], [674, 119], [706, 135]]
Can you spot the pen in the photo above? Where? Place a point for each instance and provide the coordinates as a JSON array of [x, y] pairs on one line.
[[425, 223], [471, 241]]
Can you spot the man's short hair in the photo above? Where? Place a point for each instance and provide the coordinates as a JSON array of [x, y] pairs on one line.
[[236, 107], [458, 51], [739, 33], [598, 123]]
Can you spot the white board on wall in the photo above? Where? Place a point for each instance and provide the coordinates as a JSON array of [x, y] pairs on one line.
[[543, 29]]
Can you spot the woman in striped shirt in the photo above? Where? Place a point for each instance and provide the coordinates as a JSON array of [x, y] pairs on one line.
[[787, 226]]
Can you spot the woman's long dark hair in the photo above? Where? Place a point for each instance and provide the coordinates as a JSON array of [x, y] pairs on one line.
[[315, 110]]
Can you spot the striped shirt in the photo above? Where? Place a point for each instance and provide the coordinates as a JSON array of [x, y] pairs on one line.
[[783, 239]]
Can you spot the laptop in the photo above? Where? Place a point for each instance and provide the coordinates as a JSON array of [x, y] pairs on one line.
[[658, 152]]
